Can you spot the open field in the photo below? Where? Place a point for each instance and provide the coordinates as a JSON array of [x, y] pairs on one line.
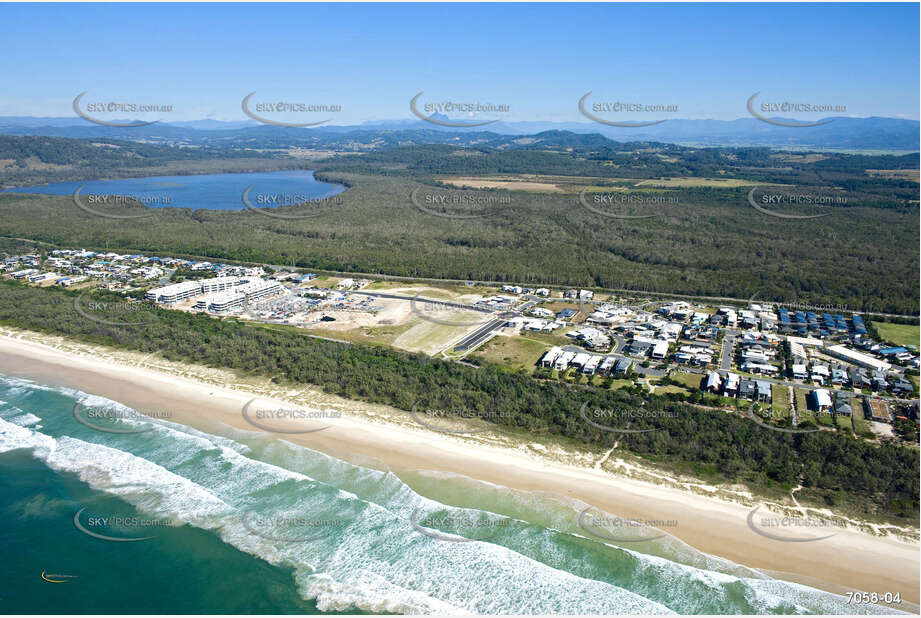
[[800, 158], [515, 352], [780, 399], [844, 422], [861, 425], [562, 184], [899, 334], [895, 174], [690, 380], [802, 401], [431, 337], [510, 184], [698, 182], [461, 293], [548, 339], [671, 388]]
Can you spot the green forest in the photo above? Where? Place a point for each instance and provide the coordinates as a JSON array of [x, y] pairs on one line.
[[702, 240], [29, 160], [880, 482]]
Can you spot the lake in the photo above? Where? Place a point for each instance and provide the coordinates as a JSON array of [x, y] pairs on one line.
[[204, 191]]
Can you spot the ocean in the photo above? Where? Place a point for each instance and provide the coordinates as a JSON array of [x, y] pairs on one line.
[[202, 191], [113, 513]]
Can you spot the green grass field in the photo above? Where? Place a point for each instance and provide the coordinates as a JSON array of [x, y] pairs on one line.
[[514, 352], [549, 339], [899, 334], [844, 422], [861, 425], [691, 380], [616, 384], [780, 400], [671, 388]]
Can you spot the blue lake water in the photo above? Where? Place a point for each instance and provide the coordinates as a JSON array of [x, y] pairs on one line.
[[204, 191]]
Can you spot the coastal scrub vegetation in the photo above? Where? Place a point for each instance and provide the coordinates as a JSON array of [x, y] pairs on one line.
[[876, 481]]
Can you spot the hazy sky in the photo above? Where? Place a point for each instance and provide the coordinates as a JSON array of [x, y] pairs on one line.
[[537, 59]]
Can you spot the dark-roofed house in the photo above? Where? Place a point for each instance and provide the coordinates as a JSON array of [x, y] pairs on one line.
[[843, 406], [639, 348], [859, 378], [880, 383], [565, 314], [747, 390]]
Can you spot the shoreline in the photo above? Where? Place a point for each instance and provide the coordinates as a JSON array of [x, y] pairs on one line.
[[850, 560]]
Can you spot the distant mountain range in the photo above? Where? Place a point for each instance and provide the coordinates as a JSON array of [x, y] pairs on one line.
[[888, 134]]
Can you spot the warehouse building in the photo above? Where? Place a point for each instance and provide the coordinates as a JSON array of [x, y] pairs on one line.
[[858, 358]]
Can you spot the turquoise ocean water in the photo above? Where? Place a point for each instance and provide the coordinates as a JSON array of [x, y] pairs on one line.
[[245, 523]]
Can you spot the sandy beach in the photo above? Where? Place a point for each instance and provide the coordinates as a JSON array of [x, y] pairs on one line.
[[850, 560]]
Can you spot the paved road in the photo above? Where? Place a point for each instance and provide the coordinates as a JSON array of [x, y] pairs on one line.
[[726, 352], [483, 333], [165, 279], [420, 299], [479, 335]]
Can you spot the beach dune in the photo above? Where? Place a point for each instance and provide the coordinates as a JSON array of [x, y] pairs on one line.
[[849, 560]]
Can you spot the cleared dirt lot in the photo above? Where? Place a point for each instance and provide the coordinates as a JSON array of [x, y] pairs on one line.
[[512, 184], [431, 337], [912, 175]]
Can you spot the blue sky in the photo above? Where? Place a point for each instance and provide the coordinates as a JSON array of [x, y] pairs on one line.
[[538, 59]]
